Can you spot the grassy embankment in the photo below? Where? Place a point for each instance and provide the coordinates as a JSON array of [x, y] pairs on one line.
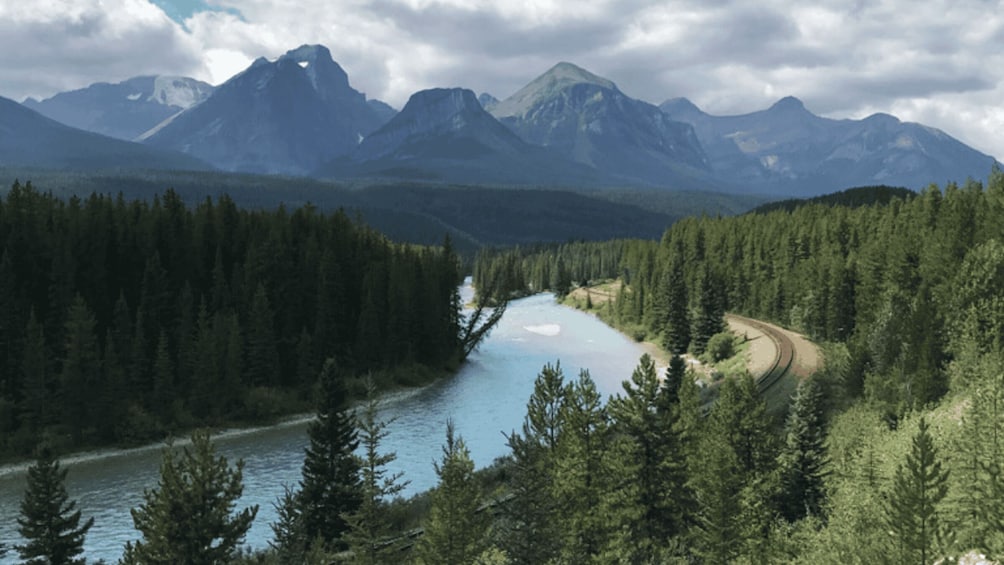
[[598, 299]]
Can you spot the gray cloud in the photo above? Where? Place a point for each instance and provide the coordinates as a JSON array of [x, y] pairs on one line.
[[48, 48], [937, 62]]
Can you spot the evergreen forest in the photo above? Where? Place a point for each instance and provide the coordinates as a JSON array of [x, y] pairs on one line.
[[889, 454], [123, 321]]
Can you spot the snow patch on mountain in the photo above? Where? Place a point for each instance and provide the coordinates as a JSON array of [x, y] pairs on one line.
[[179, 91]]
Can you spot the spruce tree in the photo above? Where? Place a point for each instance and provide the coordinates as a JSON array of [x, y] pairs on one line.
[[583, 472], [81, 369], [189, 518], [544, 415], [913, 513], [330, 489], [676, 334], [718, 487], [655, 477], [48, 523], [803, 459], [455, 532], [35, 408], [528, 528], [288, 538], [710, 309], [675, 373], [262, 355], [368, 526]]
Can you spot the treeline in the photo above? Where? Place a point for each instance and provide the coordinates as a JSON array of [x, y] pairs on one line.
[[908, 285], [910, 296], [122, 320]]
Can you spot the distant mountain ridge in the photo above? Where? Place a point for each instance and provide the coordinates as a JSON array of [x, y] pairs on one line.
[[787, 149], [587, 119], [568, 127], [444, 134], [287, 116], [124, 110], [29, 139]]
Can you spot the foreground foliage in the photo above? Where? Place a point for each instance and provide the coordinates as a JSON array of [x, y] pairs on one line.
[[189, 517], [49, 523]]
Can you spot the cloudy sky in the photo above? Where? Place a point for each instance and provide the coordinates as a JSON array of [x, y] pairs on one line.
[[938, 62]]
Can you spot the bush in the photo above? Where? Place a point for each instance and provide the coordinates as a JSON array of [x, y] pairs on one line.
[[721, 346]]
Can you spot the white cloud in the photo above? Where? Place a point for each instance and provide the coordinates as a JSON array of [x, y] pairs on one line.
[[54, 45], [937, 62]]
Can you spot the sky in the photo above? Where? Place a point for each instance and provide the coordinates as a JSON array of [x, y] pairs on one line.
[[937, 62]]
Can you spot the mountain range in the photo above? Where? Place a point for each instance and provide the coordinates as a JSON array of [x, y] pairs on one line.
[[124, 110], [786, 149], [299, 115], [29, 139]]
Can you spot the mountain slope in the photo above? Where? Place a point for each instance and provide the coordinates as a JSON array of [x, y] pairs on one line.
[[288, 117], [445, 135], [787, 149], [124, 110], [29, 139], [588, 119]]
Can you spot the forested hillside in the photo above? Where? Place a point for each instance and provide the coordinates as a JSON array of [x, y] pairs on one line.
[[908, 298], [125, 320]]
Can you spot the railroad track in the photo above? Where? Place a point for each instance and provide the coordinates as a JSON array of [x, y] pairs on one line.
[[784, 353]]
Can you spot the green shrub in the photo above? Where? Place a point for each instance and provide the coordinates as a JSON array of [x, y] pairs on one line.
[[721, 346]]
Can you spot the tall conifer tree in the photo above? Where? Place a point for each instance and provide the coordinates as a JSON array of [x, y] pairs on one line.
[[48, 523], [455, 533], [330, 488], [913, 512], [189, 518]]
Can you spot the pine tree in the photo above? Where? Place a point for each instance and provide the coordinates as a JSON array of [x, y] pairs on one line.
[[330, 488], [981, 468], [913, 510], [654, 476], [288, 537], [262, 355], [583, 472], [804, 460], [189, 518], [737, 489], [163, 382], [455, 532], [710, 309], [544, 409], [36, 410], [48, 523], [675, 373], [81, 367], [368, 526], [528, 529], [718, 487], [676, 335]]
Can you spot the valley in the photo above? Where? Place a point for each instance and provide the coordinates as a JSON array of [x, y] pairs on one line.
[[766, 335]]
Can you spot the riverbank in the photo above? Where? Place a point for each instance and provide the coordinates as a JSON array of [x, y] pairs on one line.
[[597, 300], [181, 437], [485, 399]]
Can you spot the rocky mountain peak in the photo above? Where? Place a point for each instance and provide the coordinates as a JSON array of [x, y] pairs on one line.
[[551, 83], [680, 107], [788, 104], [316, 62], [487, 101]]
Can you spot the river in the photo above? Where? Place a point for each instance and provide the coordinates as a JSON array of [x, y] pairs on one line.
[[485, 399]]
